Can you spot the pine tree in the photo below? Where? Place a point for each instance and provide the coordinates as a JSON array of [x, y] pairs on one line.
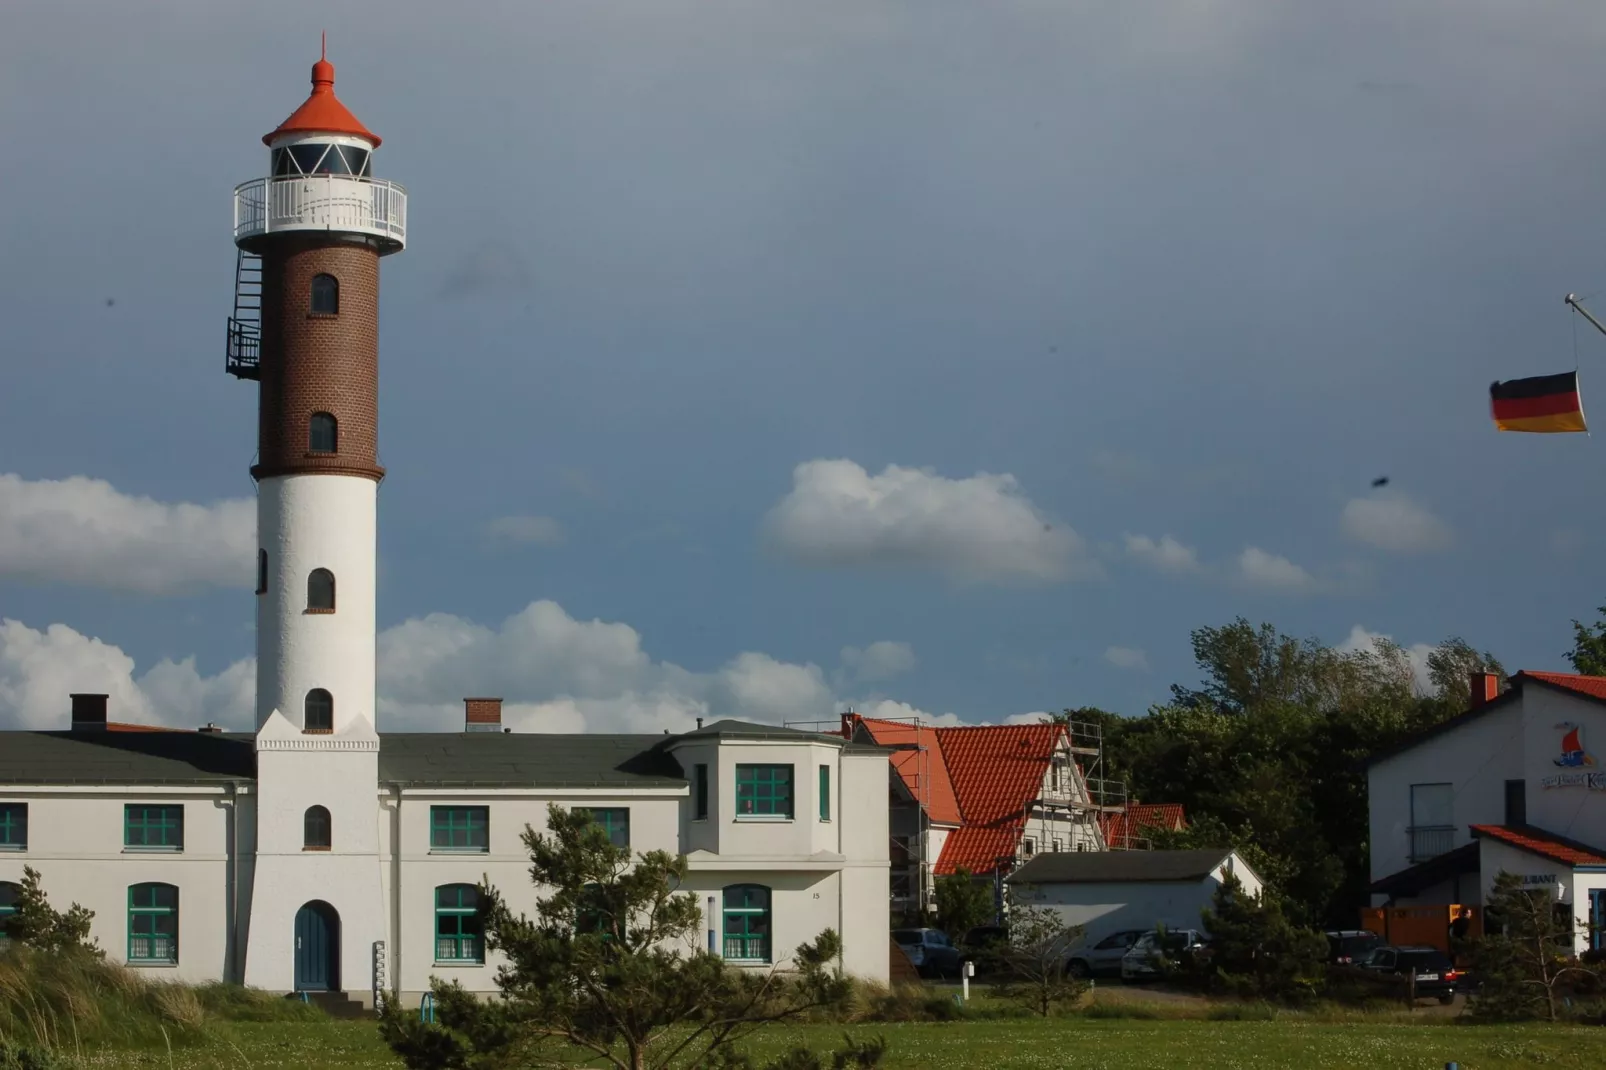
[[1524, 964], [1256, 951], [36, 924], [610, 971]]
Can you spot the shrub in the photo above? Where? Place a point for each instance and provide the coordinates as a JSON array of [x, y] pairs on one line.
[[236, 1003], [1256, 952], [21, 1057]]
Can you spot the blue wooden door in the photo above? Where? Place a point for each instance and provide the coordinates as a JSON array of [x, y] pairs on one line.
[[1597, 919], [317, 949]]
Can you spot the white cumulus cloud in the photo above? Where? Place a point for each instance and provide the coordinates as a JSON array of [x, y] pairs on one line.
[[40, 669], [1126, 657], [1166, 553], [1272, 572], [1362, 639], [980, 529], [526, 530], [86, 532], [1394, 523], [881, 660]]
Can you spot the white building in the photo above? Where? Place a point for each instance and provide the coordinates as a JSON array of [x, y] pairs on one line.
[[1110, 891], [318, 854], [1512, 784]]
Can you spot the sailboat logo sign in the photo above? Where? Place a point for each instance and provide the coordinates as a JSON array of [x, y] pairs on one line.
[[1573, 756]]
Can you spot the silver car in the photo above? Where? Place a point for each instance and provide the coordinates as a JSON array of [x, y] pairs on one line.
[[1103, 959], [1150, 952]]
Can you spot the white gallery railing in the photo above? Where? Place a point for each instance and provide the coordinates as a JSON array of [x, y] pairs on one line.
[[321, 202]]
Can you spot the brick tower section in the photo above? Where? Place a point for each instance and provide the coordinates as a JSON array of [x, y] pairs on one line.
[[318, 362]]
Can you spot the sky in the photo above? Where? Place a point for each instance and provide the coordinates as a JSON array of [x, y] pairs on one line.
[[758, 359]]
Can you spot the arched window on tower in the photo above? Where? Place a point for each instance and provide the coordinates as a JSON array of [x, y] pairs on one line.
[[323, 434], [262, 572], [321, 591], [320, 712], [325, 295], [316, 829]]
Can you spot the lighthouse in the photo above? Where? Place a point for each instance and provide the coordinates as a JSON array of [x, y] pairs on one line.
[[310, 235]]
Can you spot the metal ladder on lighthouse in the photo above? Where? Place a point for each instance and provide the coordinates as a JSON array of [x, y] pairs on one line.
[[244, 353]]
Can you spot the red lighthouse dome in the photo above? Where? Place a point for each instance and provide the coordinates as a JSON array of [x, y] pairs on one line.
[[322, 112]]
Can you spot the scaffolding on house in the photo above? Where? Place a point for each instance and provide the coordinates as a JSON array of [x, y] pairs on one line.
[[913, 881], [1083, 800]]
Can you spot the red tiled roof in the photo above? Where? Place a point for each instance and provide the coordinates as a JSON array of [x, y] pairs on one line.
[[1542, 843], [997, 769], [1592, 686], [1122, 830], [937, 793], [322, 112], [978, 848], [120, 726]]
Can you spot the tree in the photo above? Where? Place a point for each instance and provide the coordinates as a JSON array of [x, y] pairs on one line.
[[1268, 751], [1035, 955], [1588, 655], [1255, 951], [610, 969], [1523, 964], [1451, 665], [36, 924], [963, 903]]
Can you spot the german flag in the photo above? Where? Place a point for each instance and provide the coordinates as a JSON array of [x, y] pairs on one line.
[[1546, 404]]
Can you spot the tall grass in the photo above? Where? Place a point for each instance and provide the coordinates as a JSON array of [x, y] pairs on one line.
[[72, 1003]]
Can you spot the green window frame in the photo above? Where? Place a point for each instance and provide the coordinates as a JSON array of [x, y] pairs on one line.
[[699, 788], [153, 924], [153, 828], [825, 793], [9, 894], [614, 819], [13, 826], [747, 923], [459, 931], [763, 791], [460, 828]]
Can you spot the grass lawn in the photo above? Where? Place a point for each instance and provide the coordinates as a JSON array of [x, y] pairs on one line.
[[1118, 1044]]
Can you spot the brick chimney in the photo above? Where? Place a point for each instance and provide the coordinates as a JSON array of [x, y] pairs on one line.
[[850, 723], [89, 713], [1485, 688], [482, 715]]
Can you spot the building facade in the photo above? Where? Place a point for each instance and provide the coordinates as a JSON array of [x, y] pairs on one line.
[[983, 798], [1131, 890], [1514, 785], [317, 853]]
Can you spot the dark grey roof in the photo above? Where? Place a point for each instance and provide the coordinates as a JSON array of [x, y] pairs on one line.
[[733, 729], [447, 759], [1436, 870], [115, 757], [511, 759], [1105, 867]]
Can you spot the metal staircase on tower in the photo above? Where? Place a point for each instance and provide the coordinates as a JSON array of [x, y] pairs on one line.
[[244, 353]]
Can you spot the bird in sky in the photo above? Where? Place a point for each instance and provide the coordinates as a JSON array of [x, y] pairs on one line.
[[1380, 481]]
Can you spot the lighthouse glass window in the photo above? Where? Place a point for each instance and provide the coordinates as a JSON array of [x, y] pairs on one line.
[[325, 297], [323, 434], [319, 158]]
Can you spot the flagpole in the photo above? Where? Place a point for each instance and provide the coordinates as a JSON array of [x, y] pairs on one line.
[[1572, 299]]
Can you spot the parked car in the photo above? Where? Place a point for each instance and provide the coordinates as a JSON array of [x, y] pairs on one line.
[[1103, 959], [1150, 952], [1436, 975], [1351, 947], [930, 951]]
